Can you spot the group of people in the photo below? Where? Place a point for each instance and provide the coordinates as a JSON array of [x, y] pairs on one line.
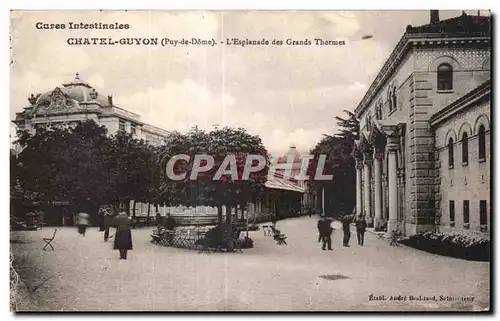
[[325, 230], [123, 235]]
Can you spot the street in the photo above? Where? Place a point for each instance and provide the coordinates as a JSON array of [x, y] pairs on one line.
[[85, 274]]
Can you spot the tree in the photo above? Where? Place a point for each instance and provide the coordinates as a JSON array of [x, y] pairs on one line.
[[339, 163], [65, 164], [128, 162], [204, 189]]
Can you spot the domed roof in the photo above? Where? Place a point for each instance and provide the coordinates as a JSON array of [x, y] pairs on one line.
[[78, 90], [293, 152]]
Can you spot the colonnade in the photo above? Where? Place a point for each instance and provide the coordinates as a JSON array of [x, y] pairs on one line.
[[369, 161]]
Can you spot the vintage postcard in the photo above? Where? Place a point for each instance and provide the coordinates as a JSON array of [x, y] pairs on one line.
[[250, 161]]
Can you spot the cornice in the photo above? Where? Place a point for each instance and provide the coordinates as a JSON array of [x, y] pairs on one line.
[[472, 98], [407, 43]]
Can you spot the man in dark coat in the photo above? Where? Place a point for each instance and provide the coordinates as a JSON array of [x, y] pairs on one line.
[[325, 233], [360, 230], [346, 227], [101, 219], [321, 221], [123, 235]]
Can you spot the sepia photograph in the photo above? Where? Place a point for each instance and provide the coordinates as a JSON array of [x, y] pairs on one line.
[[250, 161]]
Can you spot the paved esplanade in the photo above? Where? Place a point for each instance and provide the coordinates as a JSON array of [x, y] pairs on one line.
[[86, 274]]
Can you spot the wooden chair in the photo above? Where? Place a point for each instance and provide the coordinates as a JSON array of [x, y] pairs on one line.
[[49, 240], [395, 239]]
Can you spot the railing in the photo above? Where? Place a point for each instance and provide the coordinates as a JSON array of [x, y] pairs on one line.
[[202, 220], [122, 112]]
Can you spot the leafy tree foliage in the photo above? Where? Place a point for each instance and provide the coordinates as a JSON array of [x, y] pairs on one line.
[[88, 168], [340, 192], [64, 164]]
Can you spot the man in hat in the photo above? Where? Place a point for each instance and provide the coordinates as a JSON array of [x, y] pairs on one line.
[[325, 232], [107, 223], [360, 229], [346, 227]]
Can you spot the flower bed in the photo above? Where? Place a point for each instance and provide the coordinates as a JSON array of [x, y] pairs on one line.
[[456, 245]]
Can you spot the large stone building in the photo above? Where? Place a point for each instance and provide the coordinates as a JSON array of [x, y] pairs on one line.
[[76, 101], [423, 157]]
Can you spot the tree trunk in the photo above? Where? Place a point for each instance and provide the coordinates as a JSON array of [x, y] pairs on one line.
[[229, 227], [157, 208], [127, 207], [219, 215], [133, 209], [149, 210]]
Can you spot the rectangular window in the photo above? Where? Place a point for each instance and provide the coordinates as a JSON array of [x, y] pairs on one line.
[[452, 212], [133, 129], [466, 213], [483, 215], [121, 126]]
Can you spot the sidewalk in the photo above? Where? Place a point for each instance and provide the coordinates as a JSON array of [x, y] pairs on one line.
[[85, 274]]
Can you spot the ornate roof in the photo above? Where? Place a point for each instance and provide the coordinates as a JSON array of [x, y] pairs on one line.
[[80, 91], [70, 96], [461, 24]]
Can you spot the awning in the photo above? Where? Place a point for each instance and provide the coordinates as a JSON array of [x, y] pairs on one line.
[[283, 184]]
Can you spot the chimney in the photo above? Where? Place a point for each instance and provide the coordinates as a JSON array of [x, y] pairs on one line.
[[110, 100], [434, 16]]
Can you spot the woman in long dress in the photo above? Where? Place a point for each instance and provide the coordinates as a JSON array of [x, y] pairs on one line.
[[123, 235]]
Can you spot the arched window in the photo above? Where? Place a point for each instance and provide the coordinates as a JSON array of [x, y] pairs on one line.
[[394, 100], [482, 143], [445, 77], [450, 153], [378, 112], [389, 100], [465, 149]]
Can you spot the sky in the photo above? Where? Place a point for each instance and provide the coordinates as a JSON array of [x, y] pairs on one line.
[[285, 94]]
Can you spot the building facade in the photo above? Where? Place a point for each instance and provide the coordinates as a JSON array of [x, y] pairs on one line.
[[76, 101], [433, 89]]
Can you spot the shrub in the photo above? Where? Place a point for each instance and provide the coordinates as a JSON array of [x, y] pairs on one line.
[[451, 244]]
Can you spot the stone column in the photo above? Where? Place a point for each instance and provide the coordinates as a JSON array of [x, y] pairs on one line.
[[367, 193], [359, 191], [323, 201], [392, 225], [377, 167]]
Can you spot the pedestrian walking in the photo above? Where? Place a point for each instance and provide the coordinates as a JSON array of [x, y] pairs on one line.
[[100, 219], [108, 219], [321, 221], [123, 235], [346, 227], [325, 233], [82, 222], [361, 229]]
